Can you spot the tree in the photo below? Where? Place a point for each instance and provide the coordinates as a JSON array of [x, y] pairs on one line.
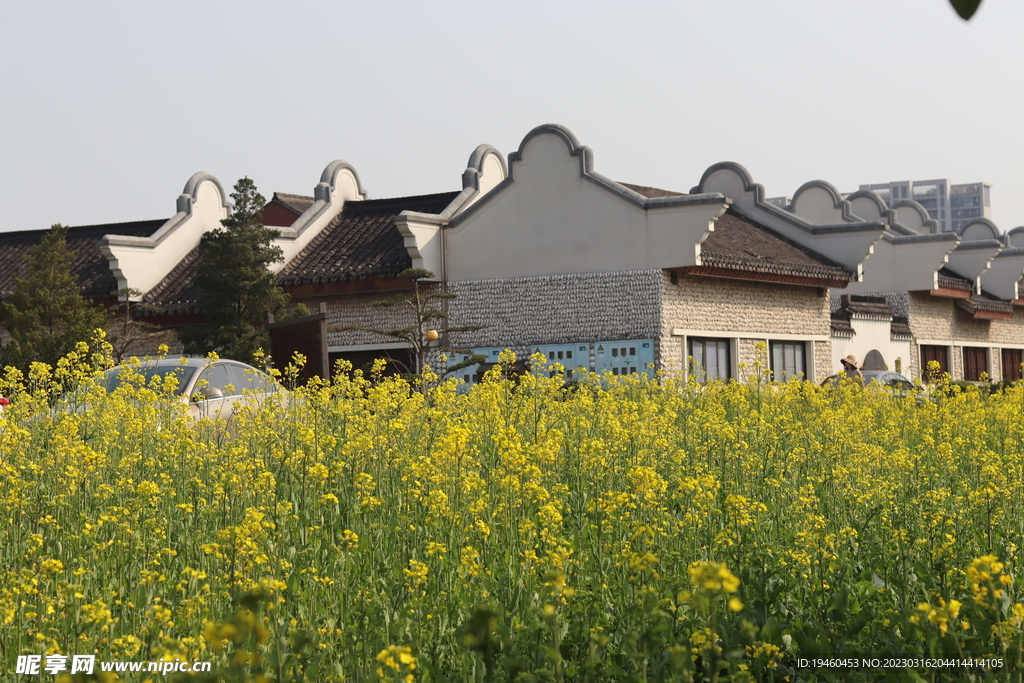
[[965, 8], [237, 289], [46, 315], [126, 333], [425, 329]]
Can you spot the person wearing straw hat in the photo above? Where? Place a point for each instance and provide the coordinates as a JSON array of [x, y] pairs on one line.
[[851, 370]]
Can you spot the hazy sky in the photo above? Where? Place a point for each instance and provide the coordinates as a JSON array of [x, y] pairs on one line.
[[107, 108]]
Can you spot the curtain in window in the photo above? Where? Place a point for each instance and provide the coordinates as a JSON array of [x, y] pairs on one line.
[[975, 362], [788, 361], [1011, 364], [710, 359]]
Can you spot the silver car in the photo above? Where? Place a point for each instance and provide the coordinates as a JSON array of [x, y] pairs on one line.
[[892, 382], [211, 388]]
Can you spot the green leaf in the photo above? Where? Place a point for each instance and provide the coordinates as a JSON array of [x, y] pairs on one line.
[[772, 632], [965, 8], [416, 274]]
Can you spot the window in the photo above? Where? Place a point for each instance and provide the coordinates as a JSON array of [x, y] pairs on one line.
[[216, 382], [112, 378], [1011, 364], [246, 379], [939, 354], [975, 362], [710, 359], [788, 361]]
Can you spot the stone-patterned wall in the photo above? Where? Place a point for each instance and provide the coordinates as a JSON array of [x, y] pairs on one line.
[[516, 313], [938, 319], [956, 365], [823, 360], [1008, 331], [557, 309], [737, 306], [358, 309], [934, 317], [750, 355]]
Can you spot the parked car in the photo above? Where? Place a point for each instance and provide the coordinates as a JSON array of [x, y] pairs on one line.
[[888, 379], [892, 382], [210, 388]]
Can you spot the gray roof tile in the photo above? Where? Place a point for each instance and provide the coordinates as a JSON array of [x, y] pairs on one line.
[[90, 266]]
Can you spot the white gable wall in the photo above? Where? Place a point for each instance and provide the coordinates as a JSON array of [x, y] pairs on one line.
[[142, 262], [421, 233], [549, 218], [339, 183], [872, 335], [818, 203], [901, 266], [848, 243]]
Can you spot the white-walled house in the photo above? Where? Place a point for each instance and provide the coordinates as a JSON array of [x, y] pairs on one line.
[[546, 254], [559, 259], [946, 297]]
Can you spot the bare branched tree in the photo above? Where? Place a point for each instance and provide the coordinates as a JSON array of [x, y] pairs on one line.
[[429, 323], [127, 334]]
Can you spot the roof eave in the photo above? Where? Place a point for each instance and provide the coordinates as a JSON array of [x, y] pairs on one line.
[[737, 274]]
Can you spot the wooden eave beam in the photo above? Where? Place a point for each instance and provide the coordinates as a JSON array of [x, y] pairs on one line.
[[950, 293], [980, 314], [804, 281]]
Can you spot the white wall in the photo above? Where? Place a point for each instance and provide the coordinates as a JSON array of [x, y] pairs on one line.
[[552, 217], [848, 243], [901, 266], [871, 335], [142, 262]]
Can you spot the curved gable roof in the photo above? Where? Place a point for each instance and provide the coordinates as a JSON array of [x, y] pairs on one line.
[[362, 241], [739, 243]]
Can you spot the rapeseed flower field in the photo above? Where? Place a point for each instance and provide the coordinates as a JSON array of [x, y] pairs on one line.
[[615, 530]]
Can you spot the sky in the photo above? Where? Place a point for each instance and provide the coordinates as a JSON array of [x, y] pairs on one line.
[[107, 108]]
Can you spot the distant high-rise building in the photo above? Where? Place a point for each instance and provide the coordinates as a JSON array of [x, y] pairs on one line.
[[951, 206]]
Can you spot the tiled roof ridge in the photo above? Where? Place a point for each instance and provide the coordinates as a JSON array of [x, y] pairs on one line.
[[900, 327], [651, 192], [296, 202], [793, 243], [840, 323], [988, 302], [765, 265], [821, 265], [74, 230], [89, 265], [184, 264], [361, 241], [377, 204], [953, 280], [866, 305]]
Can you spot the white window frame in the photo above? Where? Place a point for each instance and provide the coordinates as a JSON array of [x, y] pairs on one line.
[[734, 336]]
